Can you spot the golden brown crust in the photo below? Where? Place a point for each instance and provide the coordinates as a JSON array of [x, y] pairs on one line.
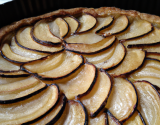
[[155, 20]]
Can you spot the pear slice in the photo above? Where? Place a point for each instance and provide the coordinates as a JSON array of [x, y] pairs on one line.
[[87, 22], [69, 88], [149, 102], [91, 48], [115, 58], [30, 108], [59, 27], [153, 55], [147, 40], [135, 119], [150, 71], [41, 34], [136, 29], [20, 90], [23, 39], [98, 95], [119, 25], [73, 23], [122, 101], [98, 120], [103, 22], [69, 64], [53, 114], [24, 52], [133, 60]]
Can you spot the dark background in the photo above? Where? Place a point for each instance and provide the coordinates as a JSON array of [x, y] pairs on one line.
[[19, 9]]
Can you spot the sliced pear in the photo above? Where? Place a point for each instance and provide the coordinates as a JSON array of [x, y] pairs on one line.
[[150, 71], [151, 55], [148, 39], [85, 78], [20, 90], [24, 52], [98, 120], [149, 102], [69, 64], [14, 74], [8, 54], [137, 28], [155, 48], [41, 34], [135, 119], [87, 22], [73, 23], [29, 109], [24, 39], [133, 60], [103, 22], [119, 25], [98, 95], [123, 99], [91, 48], [53, 114], [59, 27]]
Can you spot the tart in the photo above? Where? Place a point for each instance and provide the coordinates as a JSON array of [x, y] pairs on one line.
[[81, 66]]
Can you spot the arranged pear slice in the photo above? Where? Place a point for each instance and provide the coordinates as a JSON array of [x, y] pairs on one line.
[[119, 25], [69, 88], [103, 22], [135, 119], [59, 27], [87, 22], [98, 120], [123, 99], [98, 95], [147, 40], [112, 120], [29, 109], [149, 102], [91, 48], [24, 52], [133, 60], [20, 90], [77, 114], [41, 34], [61, 68], [53, 114], [136, 29], [151, 55], [150, 71], [23, 39], [114, 59]]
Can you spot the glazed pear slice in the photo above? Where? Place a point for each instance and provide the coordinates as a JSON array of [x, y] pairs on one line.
[[24, 52], [115, 58], [150, 71], [87, 22], [119, 25], [112, 120], [73, 23], [136, 29], [103, 22], [8, 54], [24, 40], [91, 48], [149, 102], [147, 40], [29, 109], [86, 83], [133, 60], [122, 101], [20, 90], [151, 55], [135, 119], [41, 34], [53, 114], [101, 119], [98, 95], [59, 27], [67, 65]]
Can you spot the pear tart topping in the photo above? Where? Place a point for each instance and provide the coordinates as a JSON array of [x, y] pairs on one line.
[[81, 68]]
